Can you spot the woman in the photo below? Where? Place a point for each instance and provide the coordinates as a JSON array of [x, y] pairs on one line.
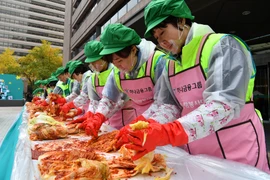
[[81, 73], [138, 68], [94, 87], [41, 84], [211, 82], [51, 84], [66, 86]]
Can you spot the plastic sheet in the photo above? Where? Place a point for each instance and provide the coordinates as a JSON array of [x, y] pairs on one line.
[[23, 167], [190, 167], [185, 166]]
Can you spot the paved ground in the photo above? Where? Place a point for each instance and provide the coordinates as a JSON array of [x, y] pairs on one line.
[[7, 117]]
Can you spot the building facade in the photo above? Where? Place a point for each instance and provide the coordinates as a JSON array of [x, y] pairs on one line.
[[86, 19], [24, 23]]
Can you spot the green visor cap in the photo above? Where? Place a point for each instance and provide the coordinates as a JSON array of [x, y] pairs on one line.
[[53, 74], [68, 64], [116, 37], [38, 90], [51, 79], [73, 66], [158, 10], [44, 82], [38, 82], [92, 50], [59, 71]]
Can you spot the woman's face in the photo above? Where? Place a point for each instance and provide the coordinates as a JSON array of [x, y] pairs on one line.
[[170, 38], [98, 65], [63, 77], [125, 64], [77, 77]]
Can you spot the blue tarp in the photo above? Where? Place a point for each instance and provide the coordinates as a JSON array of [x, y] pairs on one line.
[[7, 149]]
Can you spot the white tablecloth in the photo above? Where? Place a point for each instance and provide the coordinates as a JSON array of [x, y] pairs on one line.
[[186, 167]]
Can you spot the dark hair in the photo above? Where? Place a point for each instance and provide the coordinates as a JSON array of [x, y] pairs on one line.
[[65, 71], [52, 83], [124, 53], [171, 20], [82, 68]]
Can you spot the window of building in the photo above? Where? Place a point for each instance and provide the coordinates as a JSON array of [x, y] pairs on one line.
[[114, 18], [122, 11], [131, 4]]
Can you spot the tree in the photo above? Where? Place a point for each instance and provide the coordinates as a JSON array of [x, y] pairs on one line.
[[8, 63], [40, 62]]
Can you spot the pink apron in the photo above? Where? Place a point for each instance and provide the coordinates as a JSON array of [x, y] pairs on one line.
[[241, 140], [140, 90], [122, 117]]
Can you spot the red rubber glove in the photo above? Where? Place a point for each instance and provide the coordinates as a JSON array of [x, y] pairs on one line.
[[44, 103], [61, 101], [79, 111], [36, 99], [68, 106], [92, 125], [86, 116], [123, 139], [156, 135], [37, 102]]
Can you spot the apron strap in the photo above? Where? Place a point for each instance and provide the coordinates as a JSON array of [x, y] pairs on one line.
[[198, 57], [96, 80], [149, 65], [171, 67]]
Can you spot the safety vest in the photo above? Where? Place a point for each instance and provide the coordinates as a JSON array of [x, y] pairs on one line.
[[49, 90], [189, 58], [188, 83], [99, 80], [86, 75], [66, 88], [142, 70]]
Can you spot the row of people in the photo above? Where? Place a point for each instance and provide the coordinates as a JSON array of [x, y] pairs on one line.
[[195, 93]]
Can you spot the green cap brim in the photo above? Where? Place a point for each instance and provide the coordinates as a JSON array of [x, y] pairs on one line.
[[57, 74], [38, 90], [147, 33], [107, 51], [93, 59]]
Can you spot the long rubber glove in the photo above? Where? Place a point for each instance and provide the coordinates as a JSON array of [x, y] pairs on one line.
[[146, 140], [61, 100], [44, 103], [123, 139], [86, 116], [92, 125], [38, 102], [68, 106], [36, 99]]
